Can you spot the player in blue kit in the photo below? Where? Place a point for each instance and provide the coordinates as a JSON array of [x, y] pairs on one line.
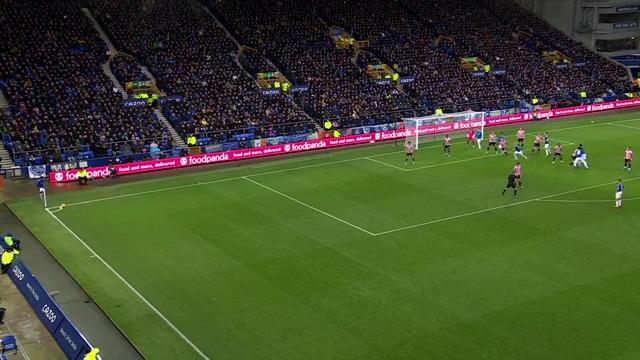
[[547, 146], [517, 150], [619, 188], [479, 136], [581, 158]]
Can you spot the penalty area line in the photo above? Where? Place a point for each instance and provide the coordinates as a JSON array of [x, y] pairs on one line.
[[385, 164], [202, 183], [624, 126], [453, 162], [497, 208], [579, 201], [309, 206], [134, 290]]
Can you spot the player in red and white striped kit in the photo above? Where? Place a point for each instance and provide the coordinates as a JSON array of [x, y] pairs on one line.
[[536, 143], [628, 157], [557, 152], [447, 145], [503, 145], [493, 141], [520, 135], [517, 171], [409, 150]]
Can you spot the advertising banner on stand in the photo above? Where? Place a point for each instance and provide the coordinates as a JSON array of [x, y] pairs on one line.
[[327, 143]]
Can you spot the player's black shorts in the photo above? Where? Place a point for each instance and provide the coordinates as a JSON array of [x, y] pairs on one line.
[[520, 140], [409, 154], [492, 144], [537, 145], [517, 177], [447, 147], [558, 154], [511, 185]]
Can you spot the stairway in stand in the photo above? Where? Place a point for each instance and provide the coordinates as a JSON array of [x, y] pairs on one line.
[[174, 134], [4, 155], [3, 101], [107, 70], [103, 35], [6, 162]]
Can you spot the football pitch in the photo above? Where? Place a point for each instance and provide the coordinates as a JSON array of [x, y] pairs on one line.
[[351, 254]]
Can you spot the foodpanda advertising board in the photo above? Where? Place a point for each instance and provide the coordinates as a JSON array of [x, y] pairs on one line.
[[319, 144]]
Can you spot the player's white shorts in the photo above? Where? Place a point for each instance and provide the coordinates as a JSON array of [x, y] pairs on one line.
[[618, 195], [518, 153], [580, 161], [546, 146], [42, 190]]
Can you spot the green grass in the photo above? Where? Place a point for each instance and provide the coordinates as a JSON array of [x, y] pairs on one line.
[[319, 257]]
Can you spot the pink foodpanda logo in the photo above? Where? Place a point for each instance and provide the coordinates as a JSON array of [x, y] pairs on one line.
[[97, 173], [183, 161], [208, 159], [377, 136], [287, 148], [468, 124], [601, 107], [92, 174], [308, 146]]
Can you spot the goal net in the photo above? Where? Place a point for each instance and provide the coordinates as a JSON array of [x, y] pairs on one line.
[[421, 129]]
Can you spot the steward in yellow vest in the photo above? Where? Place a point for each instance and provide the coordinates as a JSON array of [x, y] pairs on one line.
[[7, 258]]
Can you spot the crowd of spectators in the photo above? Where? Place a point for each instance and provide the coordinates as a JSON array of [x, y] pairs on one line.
[[290, 32], [61, 103], [126, 68], [192, 56], [428, 39], [508, 37], [255, 62]]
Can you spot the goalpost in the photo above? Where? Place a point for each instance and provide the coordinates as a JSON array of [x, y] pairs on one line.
[[437, 124]]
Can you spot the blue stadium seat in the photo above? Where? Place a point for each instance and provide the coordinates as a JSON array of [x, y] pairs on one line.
[[9, 344]]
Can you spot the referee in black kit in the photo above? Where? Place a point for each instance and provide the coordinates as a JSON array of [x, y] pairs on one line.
[[511, 184]]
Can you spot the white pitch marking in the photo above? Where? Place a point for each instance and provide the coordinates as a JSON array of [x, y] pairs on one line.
[[452, 162], [564, 142], [624, 126], [495, 208], [587, 201], [227, 179], [134, 290], [293, 169], [309, 206], [384, 163], [284, 162]]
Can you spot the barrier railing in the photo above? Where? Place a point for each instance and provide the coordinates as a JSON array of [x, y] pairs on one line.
[[69, 338], [318, 144]]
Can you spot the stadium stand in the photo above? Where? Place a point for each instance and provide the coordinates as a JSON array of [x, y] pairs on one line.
[[509, 37], [61, 104], [460, 55], [292, 35], [192, 57], [126, 68]]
